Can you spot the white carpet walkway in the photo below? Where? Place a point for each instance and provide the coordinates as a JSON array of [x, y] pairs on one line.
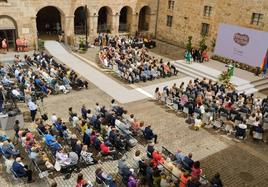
[[102, 81]]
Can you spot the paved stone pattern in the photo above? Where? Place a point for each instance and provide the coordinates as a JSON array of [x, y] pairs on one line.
[[237, 167], [173, 132]]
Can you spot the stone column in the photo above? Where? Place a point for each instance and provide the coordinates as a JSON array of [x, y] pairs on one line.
[[152, 24], [68, 29], [93, 26], [115, 24], [34, 32], [134, 23]]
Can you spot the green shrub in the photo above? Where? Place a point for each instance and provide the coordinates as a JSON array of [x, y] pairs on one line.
[[41, 44]]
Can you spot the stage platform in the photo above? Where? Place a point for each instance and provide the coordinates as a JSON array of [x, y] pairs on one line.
[[243, 80]]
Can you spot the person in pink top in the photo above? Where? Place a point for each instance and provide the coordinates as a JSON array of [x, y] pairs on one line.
[[4, 45], [196, 170]]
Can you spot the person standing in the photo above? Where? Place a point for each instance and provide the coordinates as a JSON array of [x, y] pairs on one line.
[[230, 70], [4, 45], [1, 99], [33, 109]]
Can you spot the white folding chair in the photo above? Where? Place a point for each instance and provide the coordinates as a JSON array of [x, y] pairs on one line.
[[185, 110], [175, 106]]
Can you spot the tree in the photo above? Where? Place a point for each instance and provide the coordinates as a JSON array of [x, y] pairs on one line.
[[213, 44], [189, 44], [202, 43]]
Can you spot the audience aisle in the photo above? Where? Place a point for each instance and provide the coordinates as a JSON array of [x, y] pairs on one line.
[[105, 83]]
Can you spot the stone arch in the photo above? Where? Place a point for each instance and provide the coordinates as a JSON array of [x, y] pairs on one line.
[[80, 20], [50, 20], [8, 30], [125, 19], [104, 19], [144, 18]]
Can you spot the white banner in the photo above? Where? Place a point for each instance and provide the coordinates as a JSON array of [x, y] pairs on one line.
[[241, 44]]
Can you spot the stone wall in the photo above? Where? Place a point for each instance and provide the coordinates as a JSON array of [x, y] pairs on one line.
[[24, 12], [188, 17]]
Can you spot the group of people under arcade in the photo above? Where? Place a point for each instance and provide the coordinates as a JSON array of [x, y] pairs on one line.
[[133, 63], [212, 104]]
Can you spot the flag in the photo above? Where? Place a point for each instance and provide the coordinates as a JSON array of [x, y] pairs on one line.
[[264, 65]]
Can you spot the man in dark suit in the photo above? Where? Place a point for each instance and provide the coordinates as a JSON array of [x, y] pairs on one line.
[[149, 135], [21, 171], [187, 162]]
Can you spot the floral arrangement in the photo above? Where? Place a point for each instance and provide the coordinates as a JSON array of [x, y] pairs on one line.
[[235, 63], [82, 45], [224, 78]]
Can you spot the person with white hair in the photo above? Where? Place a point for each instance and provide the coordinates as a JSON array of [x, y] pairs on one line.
[[21, 170], [53, 118], [86, 156]]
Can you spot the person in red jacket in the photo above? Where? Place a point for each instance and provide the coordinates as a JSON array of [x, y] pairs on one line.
[[105, 150], [80, 180], [184, 178], [157, 158]]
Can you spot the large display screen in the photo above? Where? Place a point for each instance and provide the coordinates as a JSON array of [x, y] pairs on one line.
[[241, 44]]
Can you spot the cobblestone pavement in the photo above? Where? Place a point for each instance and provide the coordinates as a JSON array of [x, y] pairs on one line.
[[168, 50], [238, 168]]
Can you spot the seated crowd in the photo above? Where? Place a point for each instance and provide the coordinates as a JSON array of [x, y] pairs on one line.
[[32, 78], [212, 104], [59, 146], [158, 169], [12, 159], [133, 64]]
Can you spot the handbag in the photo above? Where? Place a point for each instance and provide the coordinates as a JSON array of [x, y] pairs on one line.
[[57, 166], [44, 117]]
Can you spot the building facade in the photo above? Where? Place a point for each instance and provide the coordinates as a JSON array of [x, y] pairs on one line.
[[168, 20], [178, 19], [31, 19]]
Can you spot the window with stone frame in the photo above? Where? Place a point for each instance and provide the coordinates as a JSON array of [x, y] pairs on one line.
[[205, 29], [171, 4], [169, 21], [256, 19], [207, 11]]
